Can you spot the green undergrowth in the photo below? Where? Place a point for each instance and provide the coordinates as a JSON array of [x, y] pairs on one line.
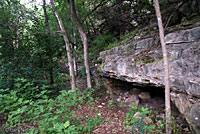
[[106, 42], [123, 40], [140, 124], [98, 45], [34, 106], [192, 21]]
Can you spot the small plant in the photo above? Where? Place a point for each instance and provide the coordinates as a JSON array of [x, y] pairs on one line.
[[138, 125], [122, 103], [92, 123], [111, 103], [101, 66], [161, 124], [90, 95]]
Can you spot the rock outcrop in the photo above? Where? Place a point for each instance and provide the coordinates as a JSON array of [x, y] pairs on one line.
[[141, 62]]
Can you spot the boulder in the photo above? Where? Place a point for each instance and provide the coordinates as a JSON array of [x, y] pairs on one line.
[[183, 104], [147, 120], [135, 91], [144, 95], [133, 99]]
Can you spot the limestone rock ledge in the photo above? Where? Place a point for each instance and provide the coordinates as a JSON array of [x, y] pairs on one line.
[[141, 62]]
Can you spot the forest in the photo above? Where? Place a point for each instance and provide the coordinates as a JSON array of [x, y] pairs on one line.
[[50, 73]]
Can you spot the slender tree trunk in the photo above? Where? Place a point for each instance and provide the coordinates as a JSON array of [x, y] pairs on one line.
[[74, 52], [84, 41], [49, 51], [67, 45], [166, 67]]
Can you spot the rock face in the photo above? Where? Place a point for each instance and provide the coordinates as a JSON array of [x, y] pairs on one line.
[[140, 62], [195, 117]]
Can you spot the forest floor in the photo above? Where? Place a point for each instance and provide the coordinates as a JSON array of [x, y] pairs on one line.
[[112, 114]]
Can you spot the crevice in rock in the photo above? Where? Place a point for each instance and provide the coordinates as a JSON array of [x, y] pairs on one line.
[[142, 95]]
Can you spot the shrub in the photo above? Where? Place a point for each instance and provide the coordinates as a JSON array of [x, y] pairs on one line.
[[31, 105], [138, 125]]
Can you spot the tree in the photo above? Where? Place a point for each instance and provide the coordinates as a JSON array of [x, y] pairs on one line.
[[67, 45], [84, 41], [49, 43], [166, 68]]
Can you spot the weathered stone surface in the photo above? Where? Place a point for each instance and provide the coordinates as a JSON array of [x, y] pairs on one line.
[[183, 36], [111, 88], [136, 63], [195, 114], [140, 62], [133, 99], [182, 103], [144, 95], [195, 117], [147, 120]]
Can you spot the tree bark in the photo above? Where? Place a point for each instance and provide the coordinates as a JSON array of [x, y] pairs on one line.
[[67, 45], [166, 68], [84, 41]]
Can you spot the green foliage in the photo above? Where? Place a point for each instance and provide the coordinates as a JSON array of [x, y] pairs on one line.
[[138, 125], [101, 66], [161, 125], [89, 95], [176, 128], [91, 124], [115, 44], [145, 60], [111, 103], [122, 41], [191, 22], [98, 44], [83, 72], [122, 103], [57, 115], [21, 94], [104, 39]]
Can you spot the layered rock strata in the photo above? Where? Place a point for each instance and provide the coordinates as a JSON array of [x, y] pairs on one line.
[[141, 62]]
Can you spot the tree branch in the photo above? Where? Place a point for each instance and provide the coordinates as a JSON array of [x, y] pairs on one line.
[[103, 2]]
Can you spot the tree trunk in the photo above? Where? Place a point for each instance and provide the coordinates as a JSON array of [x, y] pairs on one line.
[[84, 41], [74, 52], [166, 67], [67, 45], [49, 51]]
